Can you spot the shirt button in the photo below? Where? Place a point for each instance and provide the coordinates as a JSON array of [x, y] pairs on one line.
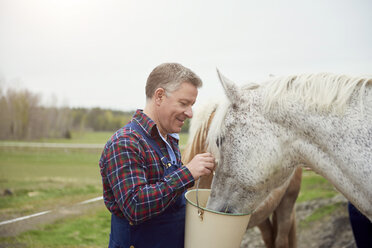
[[131, 223]]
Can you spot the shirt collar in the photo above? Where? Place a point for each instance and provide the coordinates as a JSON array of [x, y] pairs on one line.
[[175, 135], [148, 125]]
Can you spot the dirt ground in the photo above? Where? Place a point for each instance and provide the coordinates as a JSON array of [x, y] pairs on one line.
[[332, 231]]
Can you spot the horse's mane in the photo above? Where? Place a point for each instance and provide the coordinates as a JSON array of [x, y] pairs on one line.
[[198, 131], [322, 92], [216, 128]]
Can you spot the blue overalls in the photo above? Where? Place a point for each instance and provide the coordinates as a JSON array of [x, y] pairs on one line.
[[361, 227], [163, 231]]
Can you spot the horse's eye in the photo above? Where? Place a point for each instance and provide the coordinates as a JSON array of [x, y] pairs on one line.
[[219, 141]]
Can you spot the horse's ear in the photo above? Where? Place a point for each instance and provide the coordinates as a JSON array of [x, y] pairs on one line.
[[231, 89]]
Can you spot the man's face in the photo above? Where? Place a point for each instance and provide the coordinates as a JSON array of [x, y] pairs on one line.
[[175, 108]]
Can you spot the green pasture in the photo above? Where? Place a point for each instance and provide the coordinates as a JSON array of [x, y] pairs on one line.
[[87, 138], [42, 179], [83, 138], [91, 230], [76, 138], [314, 186]]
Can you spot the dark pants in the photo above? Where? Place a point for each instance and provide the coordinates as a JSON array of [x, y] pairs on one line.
[[164, 231], [362, 227]]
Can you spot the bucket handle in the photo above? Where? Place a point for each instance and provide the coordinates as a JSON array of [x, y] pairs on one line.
[[200, 210]]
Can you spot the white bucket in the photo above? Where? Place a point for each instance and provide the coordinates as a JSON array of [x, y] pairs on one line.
[[210, 229]]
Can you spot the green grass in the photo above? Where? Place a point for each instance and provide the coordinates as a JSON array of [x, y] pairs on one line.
[[86, 137], [320, 213], [90, 230], [83, 138], [314, 186], [42, 179]]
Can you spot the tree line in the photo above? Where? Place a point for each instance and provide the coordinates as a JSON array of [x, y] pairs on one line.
[[23, 117]]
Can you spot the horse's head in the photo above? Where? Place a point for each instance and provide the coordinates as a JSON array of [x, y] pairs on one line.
[[249, 152]]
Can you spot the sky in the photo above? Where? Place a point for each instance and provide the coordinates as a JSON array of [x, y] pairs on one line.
[[99, 53]]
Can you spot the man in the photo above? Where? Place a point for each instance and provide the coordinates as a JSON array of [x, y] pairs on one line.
[[143, 177], [361, 227]]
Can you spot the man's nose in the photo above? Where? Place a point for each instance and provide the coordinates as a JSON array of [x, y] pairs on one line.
[[188, 112]]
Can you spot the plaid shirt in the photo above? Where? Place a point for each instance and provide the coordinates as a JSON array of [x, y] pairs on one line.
[[134, 185]]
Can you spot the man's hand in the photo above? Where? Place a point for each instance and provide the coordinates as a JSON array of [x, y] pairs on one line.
[[201, 165]]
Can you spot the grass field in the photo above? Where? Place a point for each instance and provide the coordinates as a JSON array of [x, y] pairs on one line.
[[42, 179]]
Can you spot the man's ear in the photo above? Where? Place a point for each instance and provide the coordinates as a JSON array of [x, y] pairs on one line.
[[159, 95]]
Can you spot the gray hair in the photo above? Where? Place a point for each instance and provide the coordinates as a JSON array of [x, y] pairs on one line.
[[170, 76]]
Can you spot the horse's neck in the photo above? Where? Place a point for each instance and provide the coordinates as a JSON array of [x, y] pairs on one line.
[[343, 135], [336, 146]]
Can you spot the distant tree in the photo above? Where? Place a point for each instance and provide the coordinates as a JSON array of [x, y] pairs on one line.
[[79, 118], [22, 116], [106, 120], [21, 105], [4, 116]]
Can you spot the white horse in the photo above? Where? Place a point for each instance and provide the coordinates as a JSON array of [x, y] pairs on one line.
[[278, 231], [265, 131]]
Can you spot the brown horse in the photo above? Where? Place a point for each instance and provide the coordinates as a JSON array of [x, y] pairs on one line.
[[280, 231]]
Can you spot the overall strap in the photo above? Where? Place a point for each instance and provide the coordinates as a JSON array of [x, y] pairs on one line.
[[150, 141]]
